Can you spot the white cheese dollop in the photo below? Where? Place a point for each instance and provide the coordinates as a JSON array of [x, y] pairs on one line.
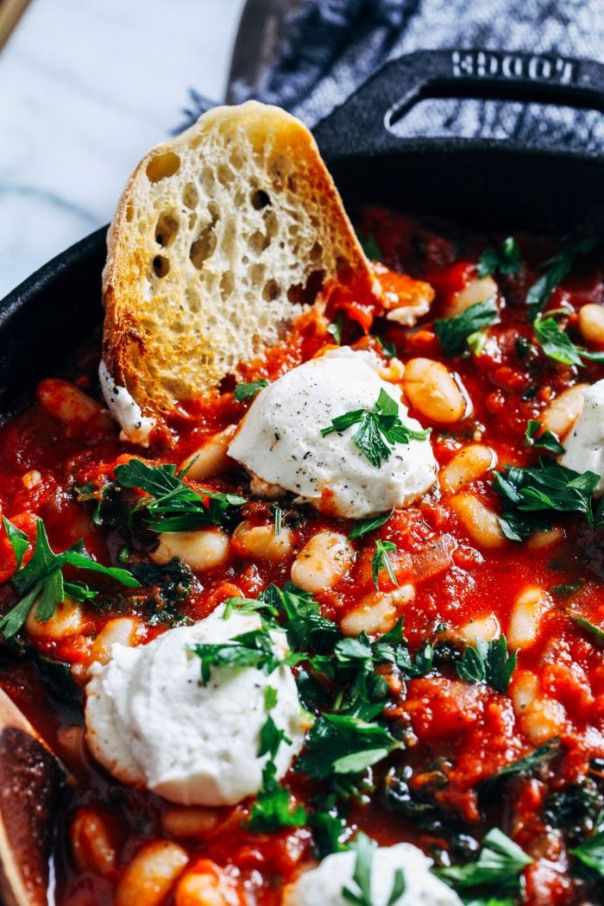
[[279, 440], [135, 426], [323, 885], [150, 722], [585, 443]]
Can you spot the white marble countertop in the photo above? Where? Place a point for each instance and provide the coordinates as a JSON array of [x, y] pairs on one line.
[[87, 87]]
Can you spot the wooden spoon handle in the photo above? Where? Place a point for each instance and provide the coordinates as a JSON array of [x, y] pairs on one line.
[[30, 783]]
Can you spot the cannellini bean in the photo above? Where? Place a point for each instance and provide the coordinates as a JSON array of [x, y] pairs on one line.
[[377, 612], [91, 844], [67, 620], [193, 821], [322, 561], [477, 290], [591, 323], [467, 465], [546, 538], [121, 630], [480, 522], [67, 402], [261, 541], [206, 885], [72, 743], [528, 608], [434, 391], [211, 458], [201, 550], [393, 371], [563, 411], [523, 690], [543, 719], [151, 874], [485, 628], [31, 479]]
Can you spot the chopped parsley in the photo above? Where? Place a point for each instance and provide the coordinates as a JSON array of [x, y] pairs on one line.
[[359, 892], [277, 518], [364, 526], [546, 440], [343, 744], [455, 332], [557, 345], [250, 649], [532, 495], [596, 632], [591, 852], [527, 766], [557, 268], [41, 583], [488, 662], [247, 391], [381, 561], [500, 864], [379, 429], [504, 260], [566, 589], [171, 505]]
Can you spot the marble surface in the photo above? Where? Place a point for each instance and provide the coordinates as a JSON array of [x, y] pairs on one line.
[[87, 87]]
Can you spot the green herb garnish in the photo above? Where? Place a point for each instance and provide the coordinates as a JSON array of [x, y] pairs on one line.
[[488, 662], [362, 528], [503, 260], [41, 584], [379, 429], [359, 892], [557, 268], [454, 332], [501, 862], [547, 440], [381, 561], [343, 744], [247, 391], [596, 632]]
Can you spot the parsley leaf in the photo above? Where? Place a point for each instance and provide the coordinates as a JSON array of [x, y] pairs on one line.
[[503, 260], [330, 831], [566, 589], [556, 343], [453, 332], [501, 861], [532, 495], [488, 662], [547, 440], [379, 429], [173, 506], [305, 626], [343, 744], [381, 560], [41, 581], [248, 390], [558, 268], [272, 808], [526, 766], [18, 540], [591, 853], [364, 526], [250, 649], [591, 629]]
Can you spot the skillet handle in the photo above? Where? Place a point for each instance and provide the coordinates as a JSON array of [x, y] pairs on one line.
[[363, 124]]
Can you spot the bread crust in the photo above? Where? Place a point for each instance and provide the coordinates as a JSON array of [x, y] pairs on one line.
[[216, 233]]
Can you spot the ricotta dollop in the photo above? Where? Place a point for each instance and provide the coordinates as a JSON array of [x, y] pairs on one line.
[[279, 440], [151, 723], [324, 884], [585, 443], [135, 426]]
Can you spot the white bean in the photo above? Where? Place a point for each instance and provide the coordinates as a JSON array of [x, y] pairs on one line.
[[544, 719], [434, 391], [563, 411], [211, 458], [121, 630], [91, 844], [546, 538], [67, 402], [480, 522], [151, 875], [525, 617], [66, 621], [377, 612], [206, 885], [201, 550], [261, 541], [591, 323], [322, 562], [485, 628], [479, 289], [469, 464], [193, 821]]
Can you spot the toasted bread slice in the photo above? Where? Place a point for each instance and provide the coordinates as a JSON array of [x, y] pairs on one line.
[[220, 238]]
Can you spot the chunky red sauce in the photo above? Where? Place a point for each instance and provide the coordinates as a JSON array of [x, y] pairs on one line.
[[456, 733]]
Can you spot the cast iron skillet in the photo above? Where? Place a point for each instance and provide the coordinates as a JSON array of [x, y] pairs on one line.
[[480, 183], [492, 184]]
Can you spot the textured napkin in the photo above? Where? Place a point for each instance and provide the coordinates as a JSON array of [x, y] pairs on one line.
[[329, 47]]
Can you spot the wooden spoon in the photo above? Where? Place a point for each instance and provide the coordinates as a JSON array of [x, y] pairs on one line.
[[30, 782]]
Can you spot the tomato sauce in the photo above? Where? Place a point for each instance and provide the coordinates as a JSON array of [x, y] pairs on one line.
[[457, 734]]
